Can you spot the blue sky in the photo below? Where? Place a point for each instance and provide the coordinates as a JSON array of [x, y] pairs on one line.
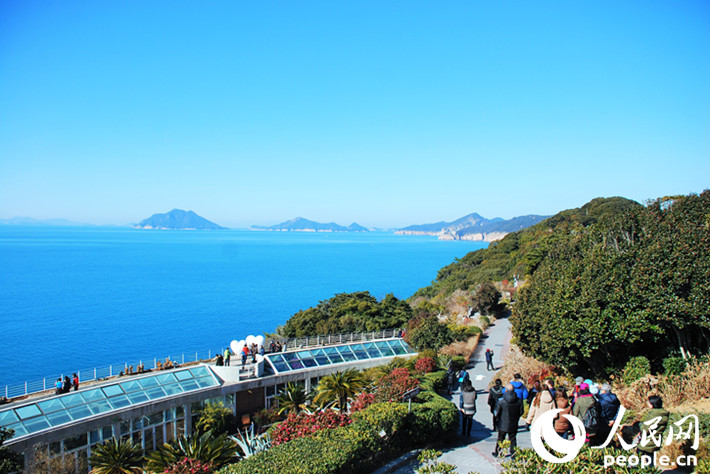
[[383, 113]]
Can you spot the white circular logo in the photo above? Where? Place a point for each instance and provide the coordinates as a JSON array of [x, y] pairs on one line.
[[544, 428]]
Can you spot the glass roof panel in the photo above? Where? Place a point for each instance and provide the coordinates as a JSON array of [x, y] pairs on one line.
[[35, 424], [28, 411], [372, 350], [173, 389], [7, 417], [120, 401], [166, 378], [200, 371], [384, 348], [58, 418], [148, 382], [398, 347], [346, 353], [205, 382], [73, 400], [99, 406], [79, 412], [188, 385], [155, 392], [131, 386], [183, 375], [48, 406], [309, 362], [137, 397], [95, 394], [113, 390], [359, 351], [281, 366]]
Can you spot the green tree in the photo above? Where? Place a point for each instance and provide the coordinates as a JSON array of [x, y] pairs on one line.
[[339, 387], [9, 460], [292, 399], [116, 456], [425, 332], [485, 299]]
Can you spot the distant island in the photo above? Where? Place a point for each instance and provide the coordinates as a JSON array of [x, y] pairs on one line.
[[299, 224], [177, 219], [473, 227]]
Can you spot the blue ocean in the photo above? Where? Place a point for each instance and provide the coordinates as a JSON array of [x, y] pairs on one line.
[[73, 298]]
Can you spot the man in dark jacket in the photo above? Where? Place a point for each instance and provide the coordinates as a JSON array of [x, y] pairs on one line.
[[509, 410], [609, 403]]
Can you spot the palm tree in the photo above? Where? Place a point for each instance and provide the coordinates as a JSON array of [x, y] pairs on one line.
[[116, 456], [339, 387], [292, 399], [207, 448]]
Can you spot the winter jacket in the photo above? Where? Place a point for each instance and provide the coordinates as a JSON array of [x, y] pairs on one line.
[[583, 403], [520, 390], [562, 424], [610, 406], [467, 402], [509, 409], [540, 406], [651, 446], [494, 394]]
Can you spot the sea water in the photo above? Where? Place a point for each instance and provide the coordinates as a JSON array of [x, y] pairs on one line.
[[72, 298]]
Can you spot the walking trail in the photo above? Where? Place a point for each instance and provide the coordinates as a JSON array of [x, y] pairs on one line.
[[473, 454]]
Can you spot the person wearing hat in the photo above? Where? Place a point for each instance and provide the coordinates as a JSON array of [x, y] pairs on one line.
[[577, 382], [585, 400]]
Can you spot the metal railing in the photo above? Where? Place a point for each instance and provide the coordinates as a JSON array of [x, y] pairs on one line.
[[101, 373]]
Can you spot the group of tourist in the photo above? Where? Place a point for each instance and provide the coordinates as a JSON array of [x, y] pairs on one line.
[[65, 385], [224, 359], [595, 405]]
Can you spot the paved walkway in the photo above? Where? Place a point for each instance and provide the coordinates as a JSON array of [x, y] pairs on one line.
[[474, 454]]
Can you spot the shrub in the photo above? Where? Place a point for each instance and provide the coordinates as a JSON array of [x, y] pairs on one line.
[[362, 401], [425, 365], [484, 321], [188, 466], [636, 368], [674, 365], [267, 417], [305, 424], [434, 381], [391, 387]]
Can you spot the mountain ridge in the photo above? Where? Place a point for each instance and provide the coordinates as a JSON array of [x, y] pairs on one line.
[[300, 224], [473, 227]]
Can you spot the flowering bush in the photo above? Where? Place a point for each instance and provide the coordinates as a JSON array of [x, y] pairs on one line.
[[425, 365], [188, 466], [391, 387], [363, 400], [305, 424]]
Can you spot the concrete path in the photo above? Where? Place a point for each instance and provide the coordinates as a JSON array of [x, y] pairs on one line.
[[474, 454]]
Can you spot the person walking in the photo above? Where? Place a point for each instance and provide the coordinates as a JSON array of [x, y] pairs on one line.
[[652, 426], [542, 402], [520, 389], [509, 410], [75, 382], [451, 380], [494, 394], [467, 405], [489, 360], [227, 356]]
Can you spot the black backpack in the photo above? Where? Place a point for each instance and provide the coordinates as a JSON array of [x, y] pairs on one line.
[[592, 419]]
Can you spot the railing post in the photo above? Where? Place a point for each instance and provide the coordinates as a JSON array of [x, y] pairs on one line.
[[94, 373], [44, 383], [183, 359], [110, 370], [155, 363]]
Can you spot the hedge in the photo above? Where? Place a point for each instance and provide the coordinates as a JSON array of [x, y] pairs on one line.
[[378, 433]]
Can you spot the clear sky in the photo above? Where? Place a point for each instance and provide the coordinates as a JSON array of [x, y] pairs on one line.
[[386, 113]]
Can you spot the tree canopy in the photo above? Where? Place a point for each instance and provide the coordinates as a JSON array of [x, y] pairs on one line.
[[632, 283], [349, 312]]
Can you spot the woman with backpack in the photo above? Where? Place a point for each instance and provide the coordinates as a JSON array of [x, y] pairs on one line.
[[467, 405], [586, 408]]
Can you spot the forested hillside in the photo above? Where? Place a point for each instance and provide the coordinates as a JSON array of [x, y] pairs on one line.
[[633, 283]]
